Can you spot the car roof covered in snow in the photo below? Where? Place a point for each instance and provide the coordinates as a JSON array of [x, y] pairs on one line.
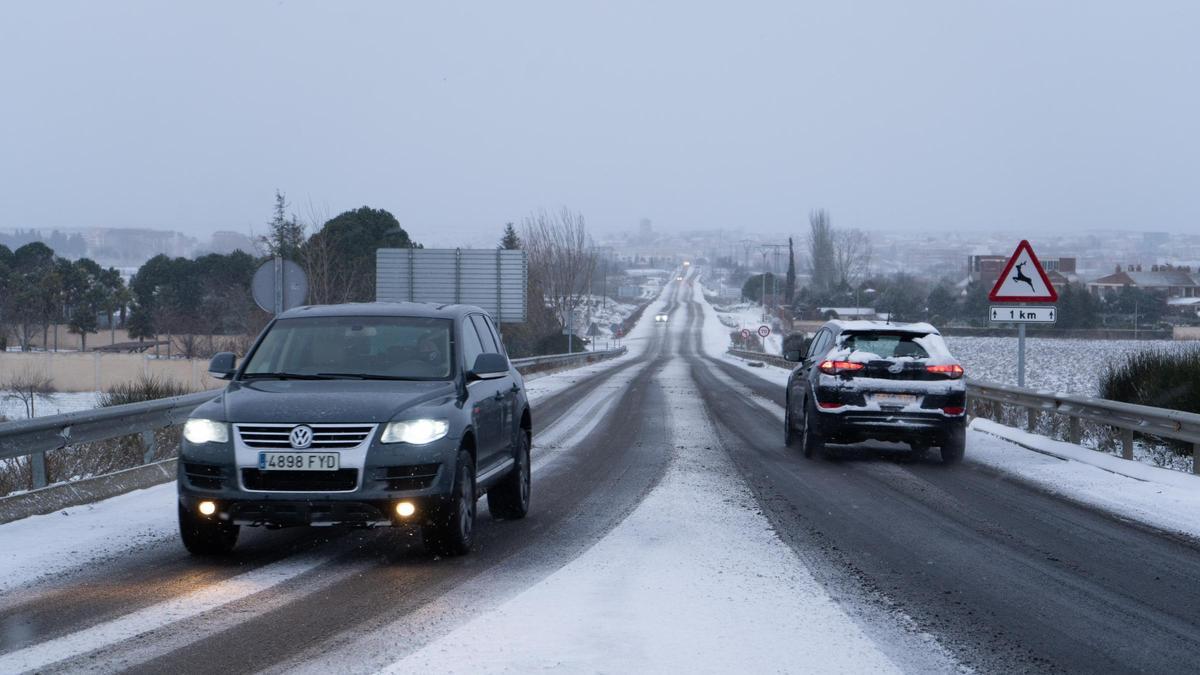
[[921, 328]]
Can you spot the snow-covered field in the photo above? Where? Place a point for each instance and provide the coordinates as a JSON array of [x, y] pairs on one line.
[[1066, 366], [57, 404]]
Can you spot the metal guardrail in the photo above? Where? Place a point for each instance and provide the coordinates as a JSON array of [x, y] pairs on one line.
[[1128, 417], [534, 363], [37, 436]]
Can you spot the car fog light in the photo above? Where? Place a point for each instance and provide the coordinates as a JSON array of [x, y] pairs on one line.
[[405, 509], [207, 508]]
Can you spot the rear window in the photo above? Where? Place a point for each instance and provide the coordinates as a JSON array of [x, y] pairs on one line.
[[885, 346]]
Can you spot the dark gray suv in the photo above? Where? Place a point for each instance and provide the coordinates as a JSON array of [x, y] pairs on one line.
[[361, 414]]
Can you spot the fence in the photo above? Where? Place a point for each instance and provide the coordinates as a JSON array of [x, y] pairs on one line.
[[1128, 418], [37, 436]]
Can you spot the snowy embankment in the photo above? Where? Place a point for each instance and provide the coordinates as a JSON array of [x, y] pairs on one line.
[[1161, 498]]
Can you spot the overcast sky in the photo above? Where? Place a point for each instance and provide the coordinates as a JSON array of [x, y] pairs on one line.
[[458, 117]]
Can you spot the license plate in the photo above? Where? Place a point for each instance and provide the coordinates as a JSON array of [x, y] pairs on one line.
[[299, 461], [895, 399]]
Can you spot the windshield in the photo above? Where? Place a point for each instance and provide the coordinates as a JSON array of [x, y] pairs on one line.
[[885, 346], [409, 348]]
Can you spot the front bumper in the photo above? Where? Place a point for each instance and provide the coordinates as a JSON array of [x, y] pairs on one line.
[[359, 495]]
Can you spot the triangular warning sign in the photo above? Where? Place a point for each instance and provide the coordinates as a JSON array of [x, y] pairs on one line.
[[1023, 279]]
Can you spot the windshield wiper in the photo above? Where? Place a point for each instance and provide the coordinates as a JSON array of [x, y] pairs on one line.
[[360, 376], [284, 376]]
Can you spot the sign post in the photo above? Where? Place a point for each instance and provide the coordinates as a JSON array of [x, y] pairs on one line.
[[1024, 281]]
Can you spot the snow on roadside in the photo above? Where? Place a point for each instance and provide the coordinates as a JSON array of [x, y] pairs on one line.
[[670, 589], [80, 536], [1162, 498]]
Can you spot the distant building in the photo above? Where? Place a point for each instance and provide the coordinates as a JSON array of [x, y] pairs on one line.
[[1166, 280], [225, 242], [987, 268]]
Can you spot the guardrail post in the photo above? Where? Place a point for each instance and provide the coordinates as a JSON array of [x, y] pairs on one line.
[[37, 466], [1074, 432], [150, 444], [1196, 458], [1127, 443]]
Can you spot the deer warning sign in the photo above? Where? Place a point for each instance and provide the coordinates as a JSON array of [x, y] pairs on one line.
[[1023, 279]]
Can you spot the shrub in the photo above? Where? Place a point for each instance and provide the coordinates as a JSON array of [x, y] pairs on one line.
[[1155, 378], [145, 388]]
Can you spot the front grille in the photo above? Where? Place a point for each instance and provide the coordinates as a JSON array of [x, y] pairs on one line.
[[341, 480], [325, 436], [203, 476], [410, 477]]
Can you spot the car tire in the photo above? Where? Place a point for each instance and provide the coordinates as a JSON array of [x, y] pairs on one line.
[[954, 446], [810, 439], [450, 531], [206, 536], [509, 500], [789, 428]]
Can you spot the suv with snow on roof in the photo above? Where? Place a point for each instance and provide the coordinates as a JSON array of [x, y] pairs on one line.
[[860, 380]]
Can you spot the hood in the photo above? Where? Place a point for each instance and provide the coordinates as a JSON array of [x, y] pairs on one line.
[[324, 401]]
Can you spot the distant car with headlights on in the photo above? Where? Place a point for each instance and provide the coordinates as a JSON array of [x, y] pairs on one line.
[[862, 380], [661, 317], [374, 414]]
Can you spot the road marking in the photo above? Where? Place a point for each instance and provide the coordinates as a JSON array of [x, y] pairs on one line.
[[158, 616]]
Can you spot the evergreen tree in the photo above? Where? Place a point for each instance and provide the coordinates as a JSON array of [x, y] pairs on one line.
[[286, 235], [511, 241], [789, 286]]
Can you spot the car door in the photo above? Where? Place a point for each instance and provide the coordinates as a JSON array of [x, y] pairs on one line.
[[511, 393], [500, 390], [487, 401], [816, 349], [480, 398]]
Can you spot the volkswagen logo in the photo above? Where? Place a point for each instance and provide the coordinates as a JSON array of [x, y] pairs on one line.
[[301, 437]]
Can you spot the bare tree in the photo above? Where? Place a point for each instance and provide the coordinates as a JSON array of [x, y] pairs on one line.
[[821, 250], [325, 283], [561, 261], [852, 256], [28, 386]]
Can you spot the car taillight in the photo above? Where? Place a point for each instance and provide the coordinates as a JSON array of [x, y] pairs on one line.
[[836, 367], [953, 371], [954, 410], [830, 405]]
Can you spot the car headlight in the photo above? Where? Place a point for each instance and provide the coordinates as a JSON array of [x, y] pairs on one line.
[[415, 432], [205, 431]]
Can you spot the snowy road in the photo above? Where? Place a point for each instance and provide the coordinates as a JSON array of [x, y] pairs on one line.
[[671, 531]]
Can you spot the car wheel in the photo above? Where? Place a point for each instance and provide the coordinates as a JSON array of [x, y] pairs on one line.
[[954, 446], [510, 499], [789, 428], [206, 536], [451, 529], [810, 439]]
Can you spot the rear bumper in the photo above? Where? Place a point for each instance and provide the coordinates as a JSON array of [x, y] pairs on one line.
[[852, 426]]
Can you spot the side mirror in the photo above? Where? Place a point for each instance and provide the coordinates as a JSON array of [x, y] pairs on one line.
[[223, 365], [489, 367], [795, 346]]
